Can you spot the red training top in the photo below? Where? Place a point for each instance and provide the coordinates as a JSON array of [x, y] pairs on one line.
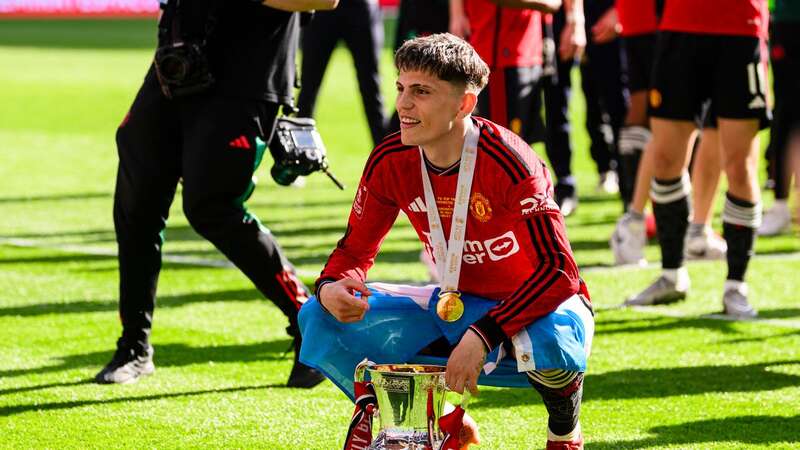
[[726, 17], [637, 16], [516, 249], [505, 37]]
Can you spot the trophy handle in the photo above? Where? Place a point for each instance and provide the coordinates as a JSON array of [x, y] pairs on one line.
[[361, 369]]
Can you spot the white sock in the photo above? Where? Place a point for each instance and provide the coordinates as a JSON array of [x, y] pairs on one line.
[[679, 276], [736, 285], [571, 436]]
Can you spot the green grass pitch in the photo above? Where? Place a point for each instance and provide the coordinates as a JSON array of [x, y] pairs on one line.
[[666, 377]]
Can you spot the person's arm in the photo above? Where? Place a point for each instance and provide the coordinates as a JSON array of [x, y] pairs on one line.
[[370, 220], [607, 27], [459, 22], [301, 5], [548, 6], [573, 36], [554, 275]]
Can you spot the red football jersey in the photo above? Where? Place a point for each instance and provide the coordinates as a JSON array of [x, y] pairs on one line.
[[505, 37], [637, 16], [726, 17], [516, 249]]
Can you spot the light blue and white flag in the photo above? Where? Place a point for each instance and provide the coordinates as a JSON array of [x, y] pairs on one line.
[[402, 321]]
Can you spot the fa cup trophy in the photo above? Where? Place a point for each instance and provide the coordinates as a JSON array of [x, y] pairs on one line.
[[409, 402]]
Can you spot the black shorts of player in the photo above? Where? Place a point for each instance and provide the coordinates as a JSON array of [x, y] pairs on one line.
[[510, 99], [690, 69], [640, 50]]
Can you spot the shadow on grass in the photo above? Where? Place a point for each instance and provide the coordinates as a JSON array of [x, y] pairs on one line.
[[106, 34], [17, 409], [660, 323], [55, 197], [39, 387], [753, 430], [164, 301], [169, 355], [661, 383]]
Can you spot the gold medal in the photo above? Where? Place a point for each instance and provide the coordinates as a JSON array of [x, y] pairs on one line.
[[450, 307]]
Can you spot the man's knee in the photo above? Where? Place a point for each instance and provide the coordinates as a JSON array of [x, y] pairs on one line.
[[561, 392]]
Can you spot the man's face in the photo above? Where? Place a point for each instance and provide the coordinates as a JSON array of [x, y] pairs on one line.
[[428, 107]]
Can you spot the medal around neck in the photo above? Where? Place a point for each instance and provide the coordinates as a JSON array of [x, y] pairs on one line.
[[450, 307]]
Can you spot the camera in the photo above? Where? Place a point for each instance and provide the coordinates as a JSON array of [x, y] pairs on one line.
[[298, 150], [182, 69], [180, 61]]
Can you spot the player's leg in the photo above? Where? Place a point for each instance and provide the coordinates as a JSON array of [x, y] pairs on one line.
[[220, 157], [675, 100], [561, 392], [785, 70], [148, 172], [701, 241], [740, 100], [630, 236]]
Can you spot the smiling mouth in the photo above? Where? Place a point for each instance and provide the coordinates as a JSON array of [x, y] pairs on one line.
[[408, 122]]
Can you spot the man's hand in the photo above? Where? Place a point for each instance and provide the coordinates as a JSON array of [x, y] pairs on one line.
[[607, 28], [300, 5], [465, 364], [338, 299], [459, 22], [573, 40], [547, 6]]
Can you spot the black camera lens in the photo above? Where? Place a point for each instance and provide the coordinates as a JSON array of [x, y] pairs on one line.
[[283, 174], [173, 68]]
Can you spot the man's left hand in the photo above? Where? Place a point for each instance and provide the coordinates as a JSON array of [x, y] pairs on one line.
[[465, 364]]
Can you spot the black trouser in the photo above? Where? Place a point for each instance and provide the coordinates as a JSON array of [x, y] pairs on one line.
[[603, 80], [359, 24], [209, 141], [557, 92], [785, 45]]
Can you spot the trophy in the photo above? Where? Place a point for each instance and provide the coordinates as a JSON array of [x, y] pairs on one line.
[[409, 401]]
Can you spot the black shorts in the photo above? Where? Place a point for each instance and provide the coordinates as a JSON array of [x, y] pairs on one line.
[[691, 69], [640, 50], [510, 100]]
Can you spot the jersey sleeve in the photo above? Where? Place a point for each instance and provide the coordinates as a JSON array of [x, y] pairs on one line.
[[554, 275], [371, 217]]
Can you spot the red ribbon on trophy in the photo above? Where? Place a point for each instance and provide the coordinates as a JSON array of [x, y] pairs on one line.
[[359, 435], [450, 424]]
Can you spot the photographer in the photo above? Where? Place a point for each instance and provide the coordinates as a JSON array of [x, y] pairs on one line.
[[206, 108]]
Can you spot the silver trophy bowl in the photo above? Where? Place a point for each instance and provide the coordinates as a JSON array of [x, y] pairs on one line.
[[411, 398]]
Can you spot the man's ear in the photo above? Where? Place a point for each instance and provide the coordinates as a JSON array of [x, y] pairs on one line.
[[468, 102]]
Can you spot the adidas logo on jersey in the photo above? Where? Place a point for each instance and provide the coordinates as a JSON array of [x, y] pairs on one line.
[[418, 205], [240, 142]]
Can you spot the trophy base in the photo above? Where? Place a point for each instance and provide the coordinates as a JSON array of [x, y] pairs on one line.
[[403, 441]]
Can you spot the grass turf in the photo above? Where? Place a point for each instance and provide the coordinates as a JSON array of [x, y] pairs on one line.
[[666, 377]]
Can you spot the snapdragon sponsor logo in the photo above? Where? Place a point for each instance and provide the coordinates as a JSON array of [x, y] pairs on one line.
[[493, 249]]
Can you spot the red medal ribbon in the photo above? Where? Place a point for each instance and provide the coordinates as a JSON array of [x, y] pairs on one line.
[[359, 435]]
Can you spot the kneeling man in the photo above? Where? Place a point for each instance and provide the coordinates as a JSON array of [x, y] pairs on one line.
[[507, 270]]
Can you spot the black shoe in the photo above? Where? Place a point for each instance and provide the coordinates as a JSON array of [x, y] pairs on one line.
[[127, 366], [303, 376]]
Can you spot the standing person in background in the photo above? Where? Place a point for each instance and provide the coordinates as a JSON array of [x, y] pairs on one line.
[[707, 50], [604, 83], [207, 128], [359, 24], [556, 90], [784, 140], [507, 34]]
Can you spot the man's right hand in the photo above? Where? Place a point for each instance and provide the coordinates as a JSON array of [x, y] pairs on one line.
[[338, 299]]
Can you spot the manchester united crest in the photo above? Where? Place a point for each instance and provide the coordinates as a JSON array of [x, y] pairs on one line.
[[480, 208]]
